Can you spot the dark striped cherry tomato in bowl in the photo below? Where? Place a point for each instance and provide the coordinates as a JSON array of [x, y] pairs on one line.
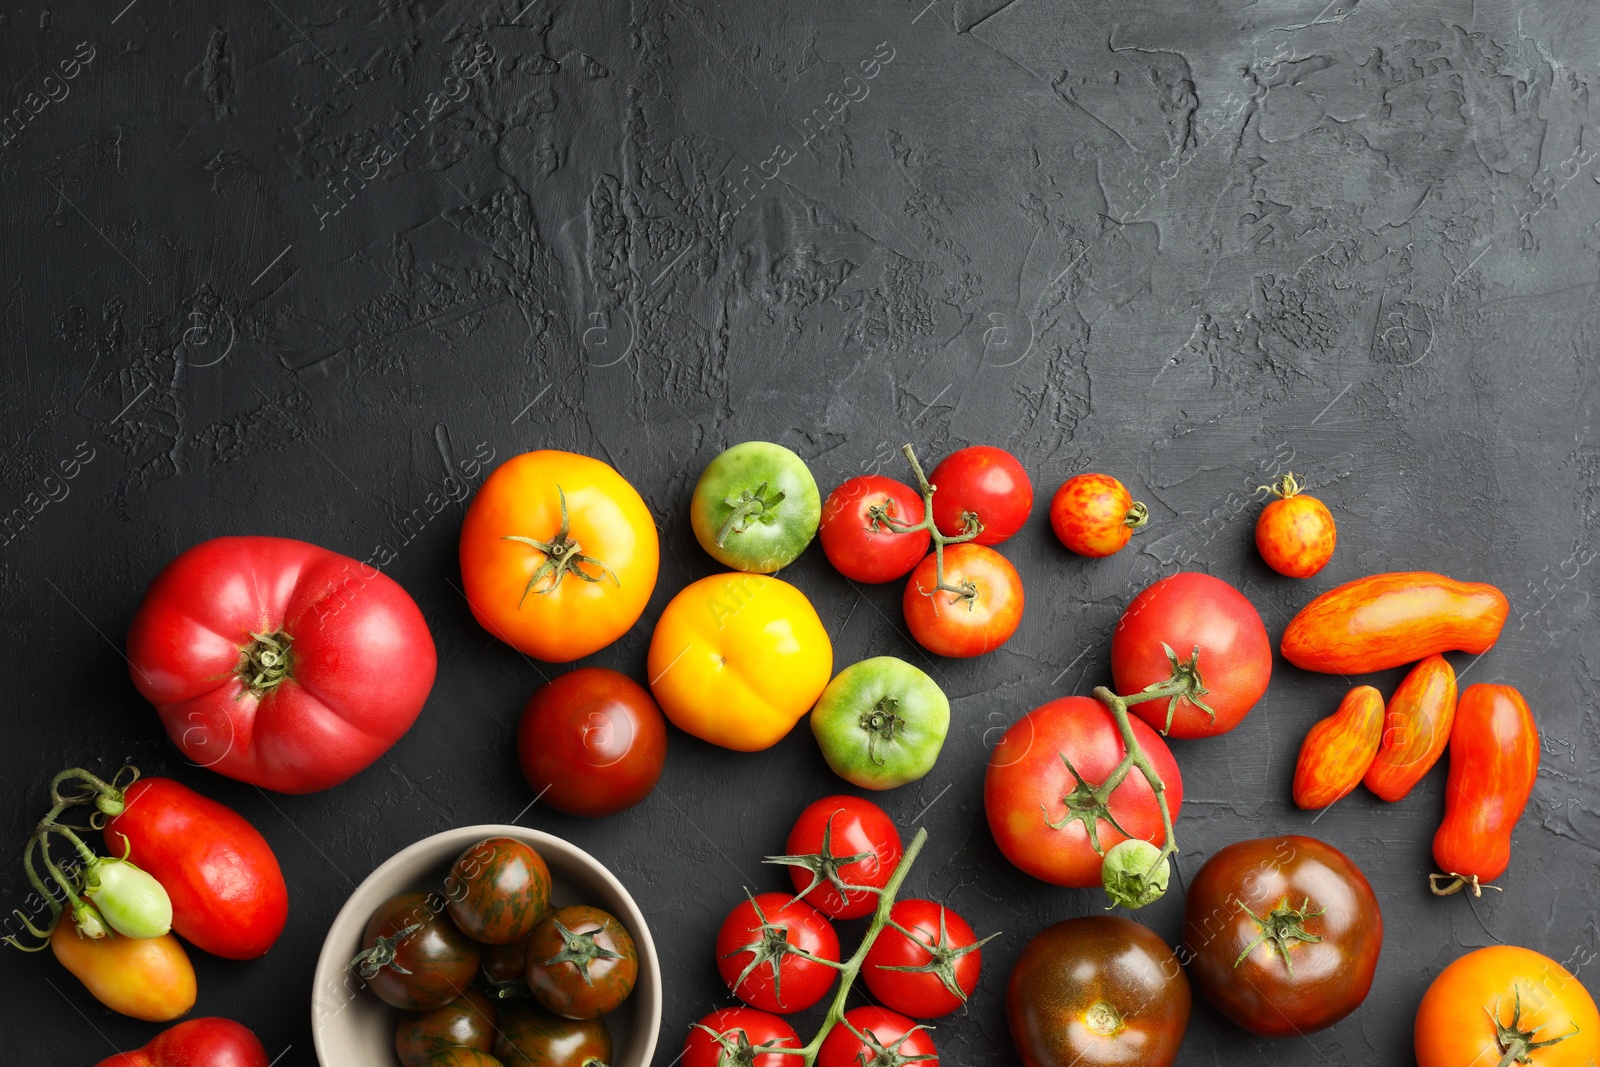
[[412, 956], [498, 890], [582, 962]]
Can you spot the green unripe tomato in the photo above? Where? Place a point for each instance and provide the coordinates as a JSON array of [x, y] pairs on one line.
[[132, 902], [881, 723], [1134, 873], [756, 507]]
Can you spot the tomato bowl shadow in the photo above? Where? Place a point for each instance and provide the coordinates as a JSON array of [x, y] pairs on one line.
[[350, 1025]]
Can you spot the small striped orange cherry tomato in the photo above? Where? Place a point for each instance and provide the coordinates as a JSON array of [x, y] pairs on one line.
[[1295, 533], [1094, 514]]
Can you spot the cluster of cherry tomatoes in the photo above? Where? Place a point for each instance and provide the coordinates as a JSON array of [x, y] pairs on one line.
[[561, 969]]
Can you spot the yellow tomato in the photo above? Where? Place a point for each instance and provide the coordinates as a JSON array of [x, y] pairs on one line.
[[737, 659], [147, 978], [558, 555]]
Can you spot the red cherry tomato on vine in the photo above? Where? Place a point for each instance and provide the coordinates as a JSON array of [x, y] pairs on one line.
[[987, 482], [1295, 533], [727, 1031], [830, 832], [874, 1036], [592, 742], [938, 938], [950, 624], [756, 957], [1094, 514], [855, 529]]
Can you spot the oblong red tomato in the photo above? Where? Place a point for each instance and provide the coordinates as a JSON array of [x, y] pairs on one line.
[[1338, 750], [208, 1042], [1494, 760], [227, 890], [1416, 729], [1199, 630], [1388, 620], [1035, 804], [280, 663]]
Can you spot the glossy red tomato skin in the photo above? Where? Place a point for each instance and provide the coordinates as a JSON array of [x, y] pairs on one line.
[[894, 1031], [227, 890], [592, 742], [1494, 762], [945, 624], [440, 958], [861, 550], [1027, 780], [921, 994], [700, 1049], [208, 1042], [1090, 515], [1183, 611], [803, 982], [854, 826], [1330, 977], [362, 660], [987, 481], [1296, 535]]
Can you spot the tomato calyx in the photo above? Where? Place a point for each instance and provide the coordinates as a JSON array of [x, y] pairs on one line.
[[580, 950], [881, 520], [734, 1048], [1516, 1044], [877, 1054], [1284, 927], [772, 946], [563, 555], [1103, 1020], [1088, 804], [1284, 487], [368, 962], [749, 507], [942, 956], [882, 723], [1136, 517], [1439, 887], [824, 866], [1184, 684], [265, 661]]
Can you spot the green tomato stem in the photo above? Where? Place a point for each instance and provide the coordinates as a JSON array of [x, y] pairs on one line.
[[966, 590], [1135, 757]]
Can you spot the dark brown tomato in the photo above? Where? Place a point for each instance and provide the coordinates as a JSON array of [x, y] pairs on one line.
[[466, 1022], [506, 964], [498, 890], [1097, 991], [462, 1057], [532, 1037], [411, 933], [581, 962]]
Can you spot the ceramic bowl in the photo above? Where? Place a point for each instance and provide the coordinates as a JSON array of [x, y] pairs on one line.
[[353, 1028]]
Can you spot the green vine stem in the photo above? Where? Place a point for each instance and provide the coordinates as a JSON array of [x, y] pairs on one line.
[[1135, 758], [966, 591]]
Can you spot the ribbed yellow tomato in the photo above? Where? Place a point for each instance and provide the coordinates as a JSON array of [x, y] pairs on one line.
[[737, 659], [558, 555]]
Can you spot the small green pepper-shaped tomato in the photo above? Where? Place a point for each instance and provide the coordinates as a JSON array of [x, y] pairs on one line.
[[132, 902], [756, 507]]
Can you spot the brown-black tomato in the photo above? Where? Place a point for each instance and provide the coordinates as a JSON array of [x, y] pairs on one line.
[[532, 1037], [413, 957], [498, 890], [466, 1022], [581, 962], [462, 1057], [506, 965]]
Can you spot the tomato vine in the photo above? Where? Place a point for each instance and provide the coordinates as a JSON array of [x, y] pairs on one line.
[[966, 591]]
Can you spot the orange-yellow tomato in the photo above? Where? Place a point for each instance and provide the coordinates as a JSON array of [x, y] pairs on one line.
[[1295, 533], [146, 978], [558, 555], [1338, 750], [737, 659], [1498, 1004]]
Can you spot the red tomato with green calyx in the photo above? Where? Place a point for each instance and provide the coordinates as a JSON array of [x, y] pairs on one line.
[[762, 951], [877, 1037], [209, 1042], [926, 962], [979, 617], [280, 663], [987, 483], [839, 842], [592, 742], [1094, 515], [227, 890], [1041, 792], [733, 1037], [858, 529], [1199, 639]]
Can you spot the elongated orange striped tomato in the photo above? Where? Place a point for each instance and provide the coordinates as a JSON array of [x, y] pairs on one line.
[[1494, 760], [1338, 750], [1388, 620], [1416, 729]]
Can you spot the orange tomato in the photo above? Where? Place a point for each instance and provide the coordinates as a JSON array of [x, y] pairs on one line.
[[1338, 750], [1295, 533], [1494, 762], [1503, 1005], [558, 555], [146, 978], [1387, 620], [1094, 515], [949, 624], [1416, 729]]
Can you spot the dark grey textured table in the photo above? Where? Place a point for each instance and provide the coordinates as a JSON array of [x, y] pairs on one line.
[[281, 267]]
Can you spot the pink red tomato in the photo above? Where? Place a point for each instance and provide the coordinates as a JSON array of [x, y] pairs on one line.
[[984, 481], [957, 625], [757, 959], [1200, 631], [869, 1037], [592, 742], [197, 1043], [723, 1038], [1038, 807], [840, 841], [926, 962], [856, 533], [1094, 515]]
